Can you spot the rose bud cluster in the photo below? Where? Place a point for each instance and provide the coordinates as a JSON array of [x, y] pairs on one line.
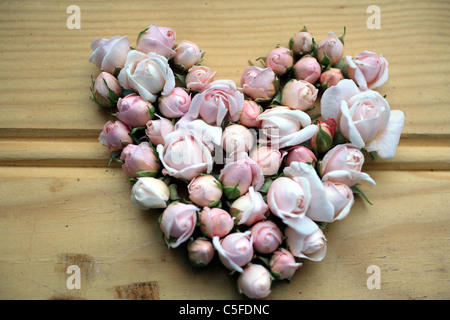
[[240, 174]]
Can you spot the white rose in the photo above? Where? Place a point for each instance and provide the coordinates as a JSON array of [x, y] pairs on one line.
[[149, 193]]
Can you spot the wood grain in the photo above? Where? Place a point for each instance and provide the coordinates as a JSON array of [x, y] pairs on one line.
[[60, 203]]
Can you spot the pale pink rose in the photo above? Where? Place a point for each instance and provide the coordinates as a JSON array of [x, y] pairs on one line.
[[255, 282], [331, 77], [235, 250], [238, 176], [178, 222], [237, 138], [283, 127], [364, 117], [160, 40], [289, 198], [115, 135], [308, 69], [218, 101], [210, 135], [250, 112], [341, 197], [139, 158], [134, 111], [215, 222], [283, 264], [280, 60], [200, 252], [157, 129], [299, 95], [368, 69], [149, 193], [258, 83], [205, 191], [302, 43], [332, 47], [109, 54], [104, 83], [306, 240], [176, 104], [148, 74], [184, 155], [300, 154], [198, 77], [249, 208], [343, 164], [187, 54], [268, 158], [267, 237]]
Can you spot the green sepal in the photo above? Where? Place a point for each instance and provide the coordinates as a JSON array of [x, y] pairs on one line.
[[323, 140], [325, 60], [173, 188], [343, 36], [232, 192], [217, 203], [265, 187], [114, 156], [140, 34], [151, 174], [356, 190], [291, 43]]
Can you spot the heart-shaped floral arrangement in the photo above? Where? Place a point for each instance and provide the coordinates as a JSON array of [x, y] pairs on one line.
[[243, 174]]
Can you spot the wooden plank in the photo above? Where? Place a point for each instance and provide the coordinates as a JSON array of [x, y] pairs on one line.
[[51, 218], [47, 87]]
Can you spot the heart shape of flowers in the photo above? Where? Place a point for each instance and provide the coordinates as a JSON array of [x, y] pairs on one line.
[[241, 173]]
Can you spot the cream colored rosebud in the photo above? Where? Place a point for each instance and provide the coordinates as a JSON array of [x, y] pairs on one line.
[[149, 193]]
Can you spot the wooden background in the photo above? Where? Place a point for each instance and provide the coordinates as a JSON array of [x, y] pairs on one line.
[[60, 204]]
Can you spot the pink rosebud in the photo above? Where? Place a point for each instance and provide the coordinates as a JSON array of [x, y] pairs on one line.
[[238, 176], [341, 198], [187, 54], [368, 69], [176, 104], [148, 74], [255, 282], [105, 83], [299, 95], [178, 223], [139, 158], [249, 208], [115, 135], [280, 60], [323, 139], [198, 77], [109, 54], [237, 138], [134, 111], [160, 40], [332, 47], [258, 83], [343, 164], [289, 198], [302, 43], [308, 69], [306, 240], [331, 77], [284, 127], [300, 154], [205, 191], [283, 264], [235, 250], [218, 101], [268, 158], [267, 237], [250, 112], [157, 129], [200, 252], [215, 222]]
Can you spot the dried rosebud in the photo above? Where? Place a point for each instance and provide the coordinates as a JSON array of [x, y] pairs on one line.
[[283, 264], [178, 222], [258, 83], [176, 104], [198, 77], [255, 282], [332, 48], [149, 193], [200, 252], [299, 95], [187, 54], [368, 69], [139, 159], [249, 208], [160, 40], [115, 135], [205, 191], [308, 69], [249, 114], [106, 89], [268, 158], [134, 111], [215, 222], [280, 60], [341, 198], [110, 54], [157, 129], [302, 43], [267, 237], [300, 154], [235, 250], [330, 77], [237, 138]]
